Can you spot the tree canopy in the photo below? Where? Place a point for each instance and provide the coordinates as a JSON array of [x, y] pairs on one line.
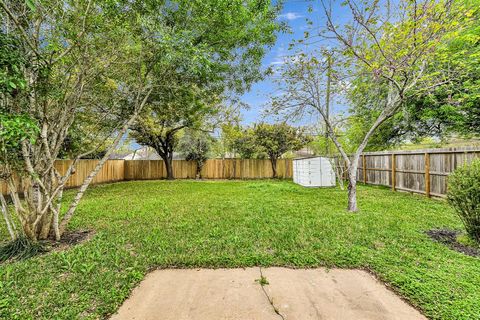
[[270, 140], [386, 54], [223, 44], [75, 75]]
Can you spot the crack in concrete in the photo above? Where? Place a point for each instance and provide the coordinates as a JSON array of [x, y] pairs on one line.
[[270, 300]]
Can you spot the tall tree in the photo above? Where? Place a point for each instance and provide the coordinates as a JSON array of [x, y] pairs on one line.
[[170, 112], [392, 49], [86, 65], [277, 139], [229, 40]]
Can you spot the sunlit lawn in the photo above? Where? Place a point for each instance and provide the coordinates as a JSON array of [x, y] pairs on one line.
[[158, 224]]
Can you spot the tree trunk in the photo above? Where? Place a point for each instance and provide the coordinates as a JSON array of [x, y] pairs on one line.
[[391, 106], [60, 229], [198, 173], [274, 167], [352, 181], [81, 191], [167, 160], [352, 187], [45, 225], [164, 149], [8, 219]]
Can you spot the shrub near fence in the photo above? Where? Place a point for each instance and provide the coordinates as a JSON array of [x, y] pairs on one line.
[[120, 170]]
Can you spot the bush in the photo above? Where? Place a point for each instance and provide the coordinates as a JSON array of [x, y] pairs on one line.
[[464, 196]]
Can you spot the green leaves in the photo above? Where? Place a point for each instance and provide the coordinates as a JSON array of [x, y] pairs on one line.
[[15, 129], [222, 41], [464, 196], [200, 51], [30, 4], [12, 60], [195, 146], [265, 140]]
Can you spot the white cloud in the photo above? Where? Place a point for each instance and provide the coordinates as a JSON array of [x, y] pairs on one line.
[[281, 60], [290, 16], [277, 62]]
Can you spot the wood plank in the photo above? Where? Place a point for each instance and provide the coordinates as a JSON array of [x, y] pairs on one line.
[[393, 172], [364, 169], [427, 174]]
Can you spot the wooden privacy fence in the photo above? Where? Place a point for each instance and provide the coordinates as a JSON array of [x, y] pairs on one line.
[[120, 170], [419, 171], [112, 171], [213, 169]]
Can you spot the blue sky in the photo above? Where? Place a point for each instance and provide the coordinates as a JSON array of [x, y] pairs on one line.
[[294, 13]]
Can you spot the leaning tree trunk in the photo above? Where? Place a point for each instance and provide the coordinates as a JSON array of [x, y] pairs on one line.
[[60, 228], [392, 104], [352, 182]]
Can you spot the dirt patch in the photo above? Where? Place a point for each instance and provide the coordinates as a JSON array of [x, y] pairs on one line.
[[72, 238], [449, 238]]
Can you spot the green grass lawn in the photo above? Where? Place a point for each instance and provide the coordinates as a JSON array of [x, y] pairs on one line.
[[158, 224]]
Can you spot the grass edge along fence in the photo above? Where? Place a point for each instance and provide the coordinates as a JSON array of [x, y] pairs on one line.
[[122, 170], [419, 171]]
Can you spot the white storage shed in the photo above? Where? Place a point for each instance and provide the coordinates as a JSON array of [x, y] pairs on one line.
[[313, 172]]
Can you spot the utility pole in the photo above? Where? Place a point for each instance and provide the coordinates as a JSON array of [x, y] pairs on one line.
[[327, 100]]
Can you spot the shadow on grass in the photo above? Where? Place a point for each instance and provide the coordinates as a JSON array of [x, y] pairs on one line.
[[22, 248]]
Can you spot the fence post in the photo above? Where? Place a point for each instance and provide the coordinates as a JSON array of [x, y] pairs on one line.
[[427, 174], [393, 171], [364, 165]]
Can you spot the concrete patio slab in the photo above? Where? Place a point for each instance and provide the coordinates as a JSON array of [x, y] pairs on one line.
[[334, 294], [203, 294], [234, 294]]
